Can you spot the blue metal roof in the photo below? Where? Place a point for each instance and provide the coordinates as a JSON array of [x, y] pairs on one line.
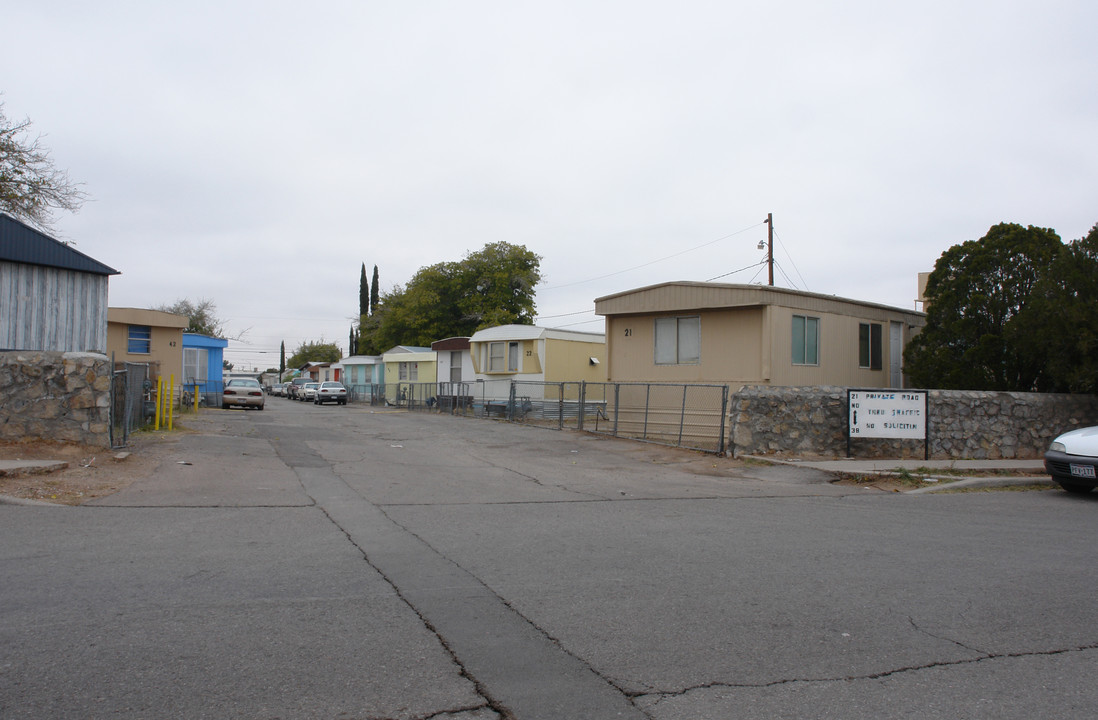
[[23, 244]]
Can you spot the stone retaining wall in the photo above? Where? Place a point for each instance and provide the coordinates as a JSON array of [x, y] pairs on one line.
[[63, 397], [811, 421]]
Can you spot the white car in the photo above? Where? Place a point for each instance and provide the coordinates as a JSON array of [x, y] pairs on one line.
[[307, 392], [331, 391], [1072, 460]]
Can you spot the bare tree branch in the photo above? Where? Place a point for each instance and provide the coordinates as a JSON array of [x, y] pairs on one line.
[[31, 187]]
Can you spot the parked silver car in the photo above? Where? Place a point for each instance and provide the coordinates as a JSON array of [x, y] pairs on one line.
[[245, 392], [295, 386]]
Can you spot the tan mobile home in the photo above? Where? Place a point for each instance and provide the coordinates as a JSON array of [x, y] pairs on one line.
[[736, 335], [155, 337]]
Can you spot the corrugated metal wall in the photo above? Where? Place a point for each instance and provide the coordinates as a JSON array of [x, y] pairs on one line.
[[44, 308]]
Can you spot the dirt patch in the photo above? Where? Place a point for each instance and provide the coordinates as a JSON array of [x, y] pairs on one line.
[[92, 472]]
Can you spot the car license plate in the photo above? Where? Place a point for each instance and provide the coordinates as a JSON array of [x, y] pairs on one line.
[[1086, 471]]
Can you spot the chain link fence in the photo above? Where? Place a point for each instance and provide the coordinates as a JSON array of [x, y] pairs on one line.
[[691, 416], [130, 385], [683, 415]]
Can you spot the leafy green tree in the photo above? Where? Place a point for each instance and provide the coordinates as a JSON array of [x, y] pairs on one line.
[[497, 286], [202, 315], [31, 188], [368, 342], [493, 286], [1062, 321], [314, 352], [975, 336]]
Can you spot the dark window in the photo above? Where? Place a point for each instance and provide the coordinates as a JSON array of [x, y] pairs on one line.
[[869, 346], [139, 340]]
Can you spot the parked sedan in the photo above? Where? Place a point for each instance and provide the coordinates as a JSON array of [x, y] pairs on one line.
[[307, 392], [245, 392], [331, 391], [1072, 460]]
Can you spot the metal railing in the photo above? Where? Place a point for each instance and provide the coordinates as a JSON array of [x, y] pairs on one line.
[[686, 415], [683, 415]]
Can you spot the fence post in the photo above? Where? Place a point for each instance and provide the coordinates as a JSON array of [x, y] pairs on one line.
[[682, 413], [647, 402], [617, 406], [583, 404], [560, 406], [724, 415]]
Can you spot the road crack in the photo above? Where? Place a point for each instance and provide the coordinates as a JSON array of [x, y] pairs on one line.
[[984, 657]]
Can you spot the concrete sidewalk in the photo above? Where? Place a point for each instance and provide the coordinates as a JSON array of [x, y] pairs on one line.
[[30, 467], [999, 473]]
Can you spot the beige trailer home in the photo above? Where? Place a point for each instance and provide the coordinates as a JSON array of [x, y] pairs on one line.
[[736, 335]]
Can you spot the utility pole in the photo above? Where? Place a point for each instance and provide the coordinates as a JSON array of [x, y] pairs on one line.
[[770, 245]]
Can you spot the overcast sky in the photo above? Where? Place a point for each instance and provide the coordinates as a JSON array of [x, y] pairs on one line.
[[256, 154]]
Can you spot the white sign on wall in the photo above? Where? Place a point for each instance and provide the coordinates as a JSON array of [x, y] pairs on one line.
[[887, 414]]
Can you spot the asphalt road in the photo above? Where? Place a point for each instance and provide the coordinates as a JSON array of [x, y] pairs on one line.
[[335, 562]]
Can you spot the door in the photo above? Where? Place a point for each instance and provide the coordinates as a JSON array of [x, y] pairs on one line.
[[896, 355]]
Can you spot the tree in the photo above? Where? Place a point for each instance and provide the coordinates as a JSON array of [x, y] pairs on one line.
[[976, 331], [1062, 323], [498, 285], [493, 286], [226, 365], [375, 293], [31, 188], [363, 293], [314, 352], [282, 359], [202, 315], [351, 341], [368, 342]]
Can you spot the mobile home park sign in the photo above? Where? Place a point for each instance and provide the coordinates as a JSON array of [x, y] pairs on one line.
[[887, 414]]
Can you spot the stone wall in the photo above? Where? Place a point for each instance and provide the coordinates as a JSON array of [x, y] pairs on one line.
[[811, 422], [61, 397]]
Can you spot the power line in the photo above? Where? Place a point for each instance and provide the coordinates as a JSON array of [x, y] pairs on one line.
[[585, 322], [653, 262], [550, 317], [791, 262], [758, 264]]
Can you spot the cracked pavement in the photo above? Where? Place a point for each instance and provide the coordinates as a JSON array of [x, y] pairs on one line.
[[339, 562]]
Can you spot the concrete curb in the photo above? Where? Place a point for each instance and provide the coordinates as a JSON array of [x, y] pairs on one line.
[[30, 467], [894, 468], [12, 500]]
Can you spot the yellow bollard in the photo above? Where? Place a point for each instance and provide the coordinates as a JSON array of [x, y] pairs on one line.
[[159, 396]]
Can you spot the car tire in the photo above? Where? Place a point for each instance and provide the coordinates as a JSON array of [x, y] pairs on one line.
[[225, 406], [1075, 488]]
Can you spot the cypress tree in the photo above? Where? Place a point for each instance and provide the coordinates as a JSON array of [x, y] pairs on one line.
[[363, 293], [375, 292]]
